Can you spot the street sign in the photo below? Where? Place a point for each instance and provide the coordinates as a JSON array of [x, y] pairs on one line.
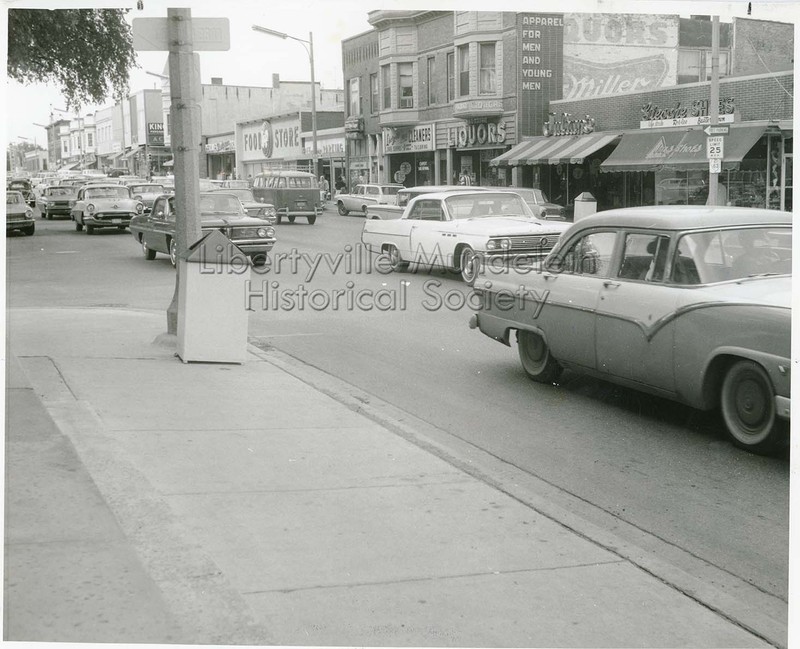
[[714, 166], [714, 146], [208, 34], [717, 130]]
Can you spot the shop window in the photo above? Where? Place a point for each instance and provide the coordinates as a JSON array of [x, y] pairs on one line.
[[386, 82], [405, 85], [374, 96], [354, 97], [463, 71], [431, 80], [451, 76], [488, 75], [89, 139], [788, 157], [695, 65]]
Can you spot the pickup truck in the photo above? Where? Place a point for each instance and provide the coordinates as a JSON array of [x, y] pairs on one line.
[[394, 210], [462, 231], [365, 195]]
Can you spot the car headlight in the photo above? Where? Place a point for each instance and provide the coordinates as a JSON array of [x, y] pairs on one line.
[[498, 244], [90, 208], [265, 233], [137, 198], [139, 208], [28, 214], [542, 212]]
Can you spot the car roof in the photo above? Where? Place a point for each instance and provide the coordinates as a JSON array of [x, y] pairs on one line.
[[685, 217], [102, 186], [432, 189], [464, 192]]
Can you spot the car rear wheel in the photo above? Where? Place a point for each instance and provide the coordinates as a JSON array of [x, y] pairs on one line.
[[747, 401], [259, 260], [89, 229], [312, 220], [341, 208], [149, 254], [30, 229], [173, 252], [291, 219], [469, 263], [396, 262], [78, 226], [364, 210], [534, 354]]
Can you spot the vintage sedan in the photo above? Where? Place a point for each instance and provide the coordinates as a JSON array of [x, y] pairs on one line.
[[462, 231], [691, 303], [57, 200], [19, 216], [365, 195], [265, 211], [540, 206], [24, 187], [222, 211], [104, 205], [146, 193]]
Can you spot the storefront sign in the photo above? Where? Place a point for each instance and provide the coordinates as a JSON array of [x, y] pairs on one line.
[[474, 136], [277, 138], [354, 125], [565, 124], [155, 133], [663, 151], [403, 139], [221, 146], [539, 61], [695, 113], [325, 147]]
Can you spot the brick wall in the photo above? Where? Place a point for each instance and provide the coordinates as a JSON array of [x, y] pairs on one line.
[[761, 46], [755, 98]]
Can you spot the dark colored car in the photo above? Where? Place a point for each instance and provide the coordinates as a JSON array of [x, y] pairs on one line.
[[57, 200], [23, 186]]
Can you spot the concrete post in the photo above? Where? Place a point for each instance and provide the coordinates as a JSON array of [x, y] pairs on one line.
[[184, 74]]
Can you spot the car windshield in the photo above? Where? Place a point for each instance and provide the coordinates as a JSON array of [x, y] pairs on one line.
[[147, 189], [301, 181], [733, 254], [486, 204], [59, 191], [219, 204], [389, 190], [242, 194], [106, 192], [13, 198], [18, 185]]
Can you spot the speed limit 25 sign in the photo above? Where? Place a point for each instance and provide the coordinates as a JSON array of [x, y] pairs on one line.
[[714, 146]]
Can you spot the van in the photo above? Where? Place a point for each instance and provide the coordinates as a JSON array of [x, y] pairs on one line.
[[293, 193]]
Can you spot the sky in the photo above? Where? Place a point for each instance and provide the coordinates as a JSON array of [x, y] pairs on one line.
[[255, 57]]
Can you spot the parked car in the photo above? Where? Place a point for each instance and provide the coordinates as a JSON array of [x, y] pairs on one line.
[[688, 303], [155, 231], [23, 186], [540, 206], [57, 200], [264, 211], [146, 193], [461, 231], [365, 195], [394, 209], [19, 216], [104, 206], [292, 193], [235, 184]]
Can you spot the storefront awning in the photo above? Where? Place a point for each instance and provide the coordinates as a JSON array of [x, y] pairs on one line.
[[169, 163], [655, 149], [132, 152], [573, 149], [69, 167]]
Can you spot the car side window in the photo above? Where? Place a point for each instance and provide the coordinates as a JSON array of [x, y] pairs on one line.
[[644, 257], [373, 191], [684, 269], [589, 255], [427, 210], [158, 208]]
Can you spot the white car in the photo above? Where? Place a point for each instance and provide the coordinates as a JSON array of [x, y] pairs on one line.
[[461, 231]]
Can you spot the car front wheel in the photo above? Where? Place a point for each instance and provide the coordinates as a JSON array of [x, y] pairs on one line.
[[342, 210], [173, 252], [534, 354], [747, 401], [78, 226], [396, 262], [149, 254], [469, 264], [312, 220]]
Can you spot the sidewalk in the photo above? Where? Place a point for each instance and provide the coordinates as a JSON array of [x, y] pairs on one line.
[[236, 504]]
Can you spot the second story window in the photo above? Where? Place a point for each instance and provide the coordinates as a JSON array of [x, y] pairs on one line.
[[431, 80], [374, 93], [488, 77], [463, 71], [386, 83], [451, 76], [405, 85], [355, 99], [88, 139]]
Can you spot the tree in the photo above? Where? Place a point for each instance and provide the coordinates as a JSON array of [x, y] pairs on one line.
[[87, 52]]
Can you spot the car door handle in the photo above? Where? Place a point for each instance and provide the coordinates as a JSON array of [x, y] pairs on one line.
[[609, 284]]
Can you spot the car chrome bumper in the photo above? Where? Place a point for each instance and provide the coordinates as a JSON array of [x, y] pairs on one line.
[[110, 222], [783, 407]]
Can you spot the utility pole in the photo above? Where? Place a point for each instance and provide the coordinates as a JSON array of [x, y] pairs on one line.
[[713, 108], [313, 106], [184, 74]]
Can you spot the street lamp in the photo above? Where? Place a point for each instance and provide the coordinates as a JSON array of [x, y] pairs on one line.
[[310, 51]]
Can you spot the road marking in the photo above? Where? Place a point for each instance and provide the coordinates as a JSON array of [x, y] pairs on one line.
[[63, 252]]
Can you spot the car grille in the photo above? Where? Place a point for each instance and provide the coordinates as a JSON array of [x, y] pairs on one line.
[[112, 215], [533, 243], [244, 233]]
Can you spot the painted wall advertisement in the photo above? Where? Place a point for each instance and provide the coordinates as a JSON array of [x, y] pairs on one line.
[[541, 43], [277, 138], [608, 54]]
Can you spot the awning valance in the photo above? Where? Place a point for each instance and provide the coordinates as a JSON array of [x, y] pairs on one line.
[[653, 149], [573, 149]]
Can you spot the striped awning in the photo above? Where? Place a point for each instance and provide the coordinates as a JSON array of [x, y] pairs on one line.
[[572, 149]]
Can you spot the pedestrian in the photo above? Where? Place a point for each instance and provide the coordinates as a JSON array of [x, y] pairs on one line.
[[324, 187], [361, 178], [340, 184], [464, 179]]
